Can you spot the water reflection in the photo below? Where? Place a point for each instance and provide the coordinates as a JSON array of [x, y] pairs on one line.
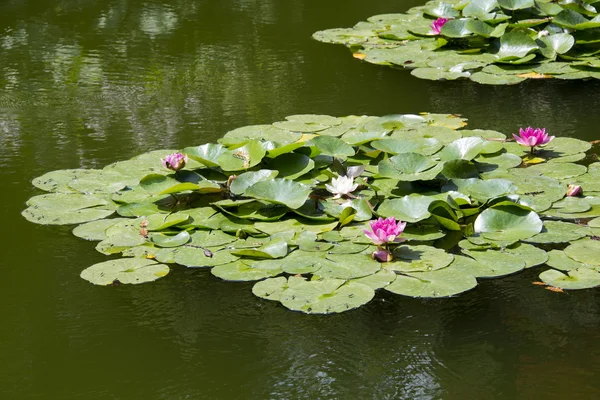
[[84, 83]]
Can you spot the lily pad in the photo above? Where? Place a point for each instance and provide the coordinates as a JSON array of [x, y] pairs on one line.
[[581, 278], [325, 296], [125, 271], [441, 283], [281, 191], [419, 258], [248, 270]]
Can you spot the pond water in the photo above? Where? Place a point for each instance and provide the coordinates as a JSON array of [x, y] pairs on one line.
[[84, 83]]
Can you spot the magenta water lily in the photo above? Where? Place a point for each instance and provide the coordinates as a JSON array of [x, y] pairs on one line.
[[573, 190], [174, 161], [436, 26], [385, 231], [531, 137]]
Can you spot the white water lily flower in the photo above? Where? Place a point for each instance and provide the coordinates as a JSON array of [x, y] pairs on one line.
[[341, 186]]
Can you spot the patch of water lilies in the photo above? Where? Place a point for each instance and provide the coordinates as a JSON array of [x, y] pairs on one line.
[[497, 42], [324, 211]]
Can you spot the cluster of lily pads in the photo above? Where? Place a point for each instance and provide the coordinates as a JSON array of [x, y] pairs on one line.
[[310, 207], [494, 42]]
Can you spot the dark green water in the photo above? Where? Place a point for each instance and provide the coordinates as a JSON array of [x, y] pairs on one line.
[[84, 83]]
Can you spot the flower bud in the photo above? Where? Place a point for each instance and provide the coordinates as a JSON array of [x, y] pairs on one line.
[[382, 256], [174, 161], [573, 190]]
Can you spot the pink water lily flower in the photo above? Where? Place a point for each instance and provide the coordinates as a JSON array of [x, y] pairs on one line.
[[384, 231], [573, 190], [532, 137], [174, 161], [436, 26]]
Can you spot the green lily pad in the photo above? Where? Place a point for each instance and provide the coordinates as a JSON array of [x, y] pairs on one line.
[[444, 282], [272, 249], [586, 251], [348, 266], [575, 279], [125, 271], [248, 270], [281, 191], [259, 132], [557, 232], [162, 240], [242, 158], [411, 208], [95, 230], [65, 209], [198, 257], [419, 258], [333, 146], [493, 263], [508, 222], [270, 288], [324, 296], [559, 260]]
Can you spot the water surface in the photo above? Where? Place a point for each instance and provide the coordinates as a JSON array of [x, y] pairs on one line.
[[84, 83]]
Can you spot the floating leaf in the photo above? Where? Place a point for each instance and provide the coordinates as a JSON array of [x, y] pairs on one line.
[[508, 222], [582, 278], [441, 283], [419, 258], [281, 191], [325, 296], [125, 271], [248, 270]]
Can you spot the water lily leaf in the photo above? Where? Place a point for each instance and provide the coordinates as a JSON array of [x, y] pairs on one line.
[[299, 126], [495, 79], [324, 296], [425, 146], [248, 270], [464, 148], [244, 181], [347, 248], [259, 132], [552, 45], [501, 161], [408, 166], [211, 238], [99, 181], [274, 249], [507, 222], [492, 263], [125, 271], [292, 165], [489, 189], [456, 28], [281, 191], [242, 158], [594, 223], [418, 258], [444, 282], [336, 208], [572, 205], [573, 20], [566, 146], [208, 154], [162, 240], [198, 257], [159, 222], [586, 251], [460, 169], [411, 208], [378, 280], [441, 9], [422, 233], [57, 181], [65, 209], [479, 8], [515, 4], [333, 146], [95, 230], [558, 170], [348, 266], [120, 240], [556, 232], [559, 260], [582, 278], [270, 288], [515, 45]]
